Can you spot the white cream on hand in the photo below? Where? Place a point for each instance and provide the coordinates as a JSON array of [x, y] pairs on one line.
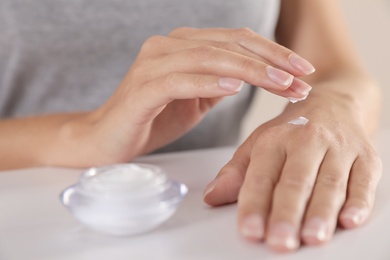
[[124, 199], [299, 121], [295, 100]]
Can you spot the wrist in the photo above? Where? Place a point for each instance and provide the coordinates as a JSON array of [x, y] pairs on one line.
[[72, 144], [344, 98]]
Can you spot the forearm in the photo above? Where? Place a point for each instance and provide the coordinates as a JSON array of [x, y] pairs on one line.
[[45, 141], [316, 30]]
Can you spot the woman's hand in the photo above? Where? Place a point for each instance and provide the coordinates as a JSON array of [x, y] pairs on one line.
[[176, 79], [295, 183], [173, 82]]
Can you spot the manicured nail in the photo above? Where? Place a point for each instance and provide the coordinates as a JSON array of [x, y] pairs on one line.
[[210, 187], [282, 236], [354, 216], [295, 100], [231, 84], [253, 227], [280, 77], [300, 87], [301, 64], [315, 230]]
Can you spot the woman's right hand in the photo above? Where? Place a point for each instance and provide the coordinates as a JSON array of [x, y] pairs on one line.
[[176, 79]]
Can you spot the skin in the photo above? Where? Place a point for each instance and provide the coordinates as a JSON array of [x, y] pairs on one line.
[[286, 178], [295, 184]]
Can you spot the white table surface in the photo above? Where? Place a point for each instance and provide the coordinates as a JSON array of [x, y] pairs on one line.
[[34, 224]]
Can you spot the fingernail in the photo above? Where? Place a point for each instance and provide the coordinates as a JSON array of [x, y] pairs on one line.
[[280, 77], [253, 226], [295, 100], [210, 187], [354, 216], [300, 87], [315, 230], [282, 236], [301, 64], [231, 84]]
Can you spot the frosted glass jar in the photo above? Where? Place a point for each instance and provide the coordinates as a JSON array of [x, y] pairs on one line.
[[123, 199]]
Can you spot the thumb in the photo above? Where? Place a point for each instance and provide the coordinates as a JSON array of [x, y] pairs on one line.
[[226, 186]]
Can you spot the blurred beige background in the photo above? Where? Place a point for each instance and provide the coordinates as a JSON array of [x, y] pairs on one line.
[[369, 25]]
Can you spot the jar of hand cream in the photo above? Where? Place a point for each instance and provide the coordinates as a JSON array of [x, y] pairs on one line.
[[123, 199]]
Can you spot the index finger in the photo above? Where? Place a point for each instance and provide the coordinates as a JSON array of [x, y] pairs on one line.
[[277, 54], [261, 178]]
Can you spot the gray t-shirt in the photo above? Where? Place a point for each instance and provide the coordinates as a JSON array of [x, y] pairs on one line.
[[70, 55]]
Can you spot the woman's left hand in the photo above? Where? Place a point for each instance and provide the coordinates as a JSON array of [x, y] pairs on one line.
[[295, 183]]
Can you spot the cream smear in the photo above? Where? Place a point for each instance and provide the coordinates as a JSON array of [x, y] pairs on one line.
[[124, 199], [295, 100], [299, 121]]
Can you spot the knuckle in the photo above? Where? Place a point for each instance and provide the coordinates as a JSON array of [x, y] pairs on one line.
[[370, 156], [298, 182], [332, 181], [152, 42], [372, 165], [365, 182], [179, 31], [248, 66], [274, 48], [198, 82], [169, 82], [227, 46], [315, 131], [270, 133], [361, 201], [244, 32], [279, 50], [262, 180], [364, 191], [340, 140], [203, 53], [267, 137], [317, 134], [141, 69]]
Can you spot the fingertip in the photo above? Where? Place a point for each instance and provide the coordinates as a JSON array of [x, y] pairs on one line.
[[282, 237], [301, 64], [231, 84], [252, 227], [208, 190], [224, 189], [279, 77], [300, 87], [295, 100], [353, 217], [315, 232]]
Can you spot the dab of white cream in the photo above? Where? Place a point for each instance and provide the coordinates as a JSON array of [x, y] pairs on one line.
[[295, 100], [299, 121]]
